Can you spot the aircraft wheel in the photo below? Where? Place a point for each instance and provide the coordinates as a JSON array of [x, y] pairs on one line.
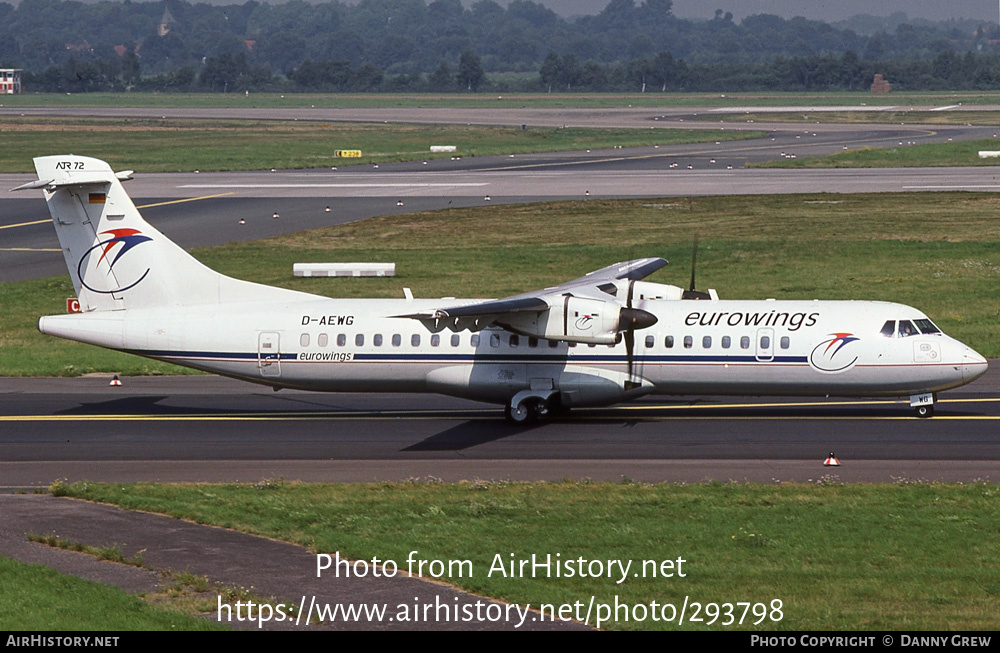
[[524, 413], [924, 411], [519, 415]]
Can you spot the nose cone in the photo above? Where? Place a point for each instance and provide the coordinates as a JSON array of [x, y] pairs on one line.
[[635, 318], [973, 365]]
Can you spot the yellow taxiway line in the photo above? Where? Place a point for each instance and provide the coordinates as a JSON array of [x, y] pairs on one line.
[[480, 414], [144, 206]]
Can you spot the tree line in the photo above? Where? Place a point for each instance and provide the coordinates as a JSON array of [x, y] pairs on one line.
[[414, 45], [558, 73]]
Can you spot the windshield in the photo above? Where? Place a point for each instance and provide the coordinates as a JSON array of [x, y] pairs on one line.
[[926, 326]]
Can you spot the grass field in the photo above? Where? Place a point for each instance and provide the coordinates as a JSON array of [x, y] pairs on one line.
[[939, 252], [964, 153], [498, 100], [912, 556], [36, 598], [185, 145]]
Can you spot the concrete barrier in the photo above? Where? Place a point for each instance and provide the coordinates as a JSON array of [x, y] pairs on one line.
[[443, 148], [988, 154], [344, 269]]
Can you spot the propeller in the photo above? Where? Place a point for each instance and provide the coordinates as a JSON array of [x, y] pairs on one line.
[[691, 293], [630, 319]]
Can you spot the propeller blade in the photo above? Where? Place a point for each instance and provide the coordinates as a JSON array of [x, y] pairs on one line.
[[629, 348], [691, 293], [694, 258]]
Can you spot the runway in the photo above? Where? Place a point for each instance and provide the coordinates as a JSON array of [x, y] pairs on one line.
[[212, 429]]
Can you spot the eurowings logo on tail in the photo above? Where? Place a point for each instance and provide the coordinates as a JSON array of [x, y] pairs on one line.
[[827, 356], [127, 238]]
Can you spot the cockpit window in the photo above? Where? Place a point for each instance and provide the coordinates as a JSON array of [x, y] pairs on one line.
[[906, 328], [888, 329], [926, 326]]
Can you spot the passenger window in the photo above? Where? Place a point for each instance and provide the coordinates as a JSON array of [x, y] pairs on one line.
[[906, 329], [649, 342], [415, 340], [785, 342], [888, 328], [377, 341], [494, 340], [435, 340], [514, 340], [341, 340], [553, 344], [726, 342], [745, 342], [323, 340], [359, 340], [304, 340], [688, 342], [765, 342], [474, 340], [706, 342], [668, 342], [455, 340], [532, 342]]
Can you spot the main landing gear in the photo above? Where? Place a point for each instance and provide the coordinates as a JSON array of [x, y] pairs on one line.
[[528, 406]]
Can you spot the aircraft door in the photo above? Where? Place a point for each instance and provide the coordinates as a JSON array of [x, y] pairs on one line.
[[765, 345], [269, 354]]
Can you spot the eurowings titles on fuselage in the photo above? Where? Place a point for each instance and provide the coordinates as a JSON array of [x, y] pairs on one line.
[[606, 337]]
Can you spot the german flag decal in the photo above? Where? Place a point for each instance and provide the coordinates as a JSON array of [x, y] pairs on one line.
[[98, 198]]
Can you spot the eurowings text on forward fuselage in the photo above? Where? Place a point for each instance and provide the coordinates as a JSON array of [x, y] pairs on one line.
[[597, 340]]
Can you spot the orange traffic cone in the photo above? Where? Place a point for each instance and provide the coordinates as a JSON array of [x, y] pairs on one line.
[[115, 381], [831, 461]]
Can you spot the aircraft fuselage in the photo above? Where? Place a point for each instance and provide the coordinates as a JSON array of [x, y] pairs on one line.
[[696, 347]]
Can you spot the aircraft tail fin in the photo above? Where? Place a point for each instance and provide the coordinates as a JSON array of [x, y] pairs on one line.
[[116, 259]]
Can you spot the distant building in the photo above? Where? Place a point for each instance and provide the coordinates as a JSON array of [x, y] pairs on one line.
[[10, 81], [881, 85], [166, 23]]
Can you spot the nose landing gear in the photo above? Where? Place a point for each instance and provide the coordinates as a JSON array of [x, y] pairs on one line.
[[923, 404]]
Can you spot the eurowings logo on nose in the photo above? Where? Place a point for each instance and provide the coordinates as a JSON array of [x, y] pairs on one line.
[[827, 357], [112, 250]]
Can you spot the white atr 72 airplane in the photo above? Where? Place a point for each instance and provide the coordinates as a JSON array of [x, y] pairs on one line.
[[601, 339]]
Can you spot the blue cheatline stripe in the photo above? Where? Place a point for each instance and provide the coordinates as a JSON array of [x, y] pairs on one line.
[[474, 358]]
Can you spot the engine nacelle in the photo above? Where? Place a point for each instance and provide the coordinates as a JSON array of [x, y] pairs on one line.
[[645, 290], [580, 319]]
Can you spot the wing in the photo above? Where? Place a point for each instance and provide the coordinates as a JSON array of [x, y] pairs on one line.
[[540, 312], [633, 270]]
